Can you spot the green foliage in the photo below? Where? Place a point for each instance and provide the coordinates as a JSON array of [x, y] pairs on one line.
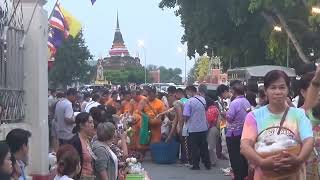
[[202, 68], [227, 27], [123, 76], [239, 33], [277, 48], [191, 76], [71, 63]]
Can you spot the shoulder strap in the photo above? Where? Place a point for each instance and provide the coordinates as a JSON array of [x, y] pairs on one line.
[[283, 118], [201, 102]]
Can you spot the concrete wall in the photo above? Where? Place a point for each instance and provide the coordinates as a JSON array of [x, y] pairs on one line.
[[35, 86]]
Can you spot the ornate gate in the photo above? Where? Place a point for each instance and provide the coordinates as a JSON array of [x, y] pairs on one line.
[[11, 62]]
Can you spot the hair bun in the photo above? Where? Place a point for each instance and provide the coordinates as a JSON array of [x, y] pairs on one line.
[[76, 129]]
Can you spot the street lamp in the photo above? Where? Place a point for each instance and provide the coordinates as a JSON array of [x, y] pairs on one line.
[[210, 65], [142, 45], [182, 50], [315, 10], [279, 29]]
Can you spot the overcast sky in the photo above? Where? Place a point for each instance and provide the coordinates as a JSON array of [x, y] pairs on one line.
[[160, 30]]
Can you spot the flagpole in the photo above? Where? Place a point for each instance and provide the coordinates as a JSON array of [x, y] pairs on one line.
[[55, 4]]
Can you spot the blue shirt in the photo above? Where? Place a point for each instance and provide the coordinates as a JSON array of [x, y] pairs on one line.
[[195, 112]]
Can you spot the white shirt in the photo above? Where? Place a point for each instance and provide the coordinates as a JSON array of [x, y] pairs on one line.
[[62, 178], [90, 105], [295, 101], [64, 110]]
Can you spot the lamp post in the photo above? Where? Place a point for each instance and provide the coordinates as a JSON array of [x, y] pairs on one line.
[[141, 45], [211, 61], [315, 10], [182, 50], [279, 29]]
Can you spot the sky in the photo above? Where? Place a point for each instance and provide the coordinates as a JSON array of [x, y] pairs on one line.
[[160, 29]]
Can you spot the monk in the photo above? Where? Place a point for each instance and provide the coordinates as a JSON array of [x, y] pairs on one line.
[[113, 100], [104, 97], [126, 104], [153, 106], [136, 103]]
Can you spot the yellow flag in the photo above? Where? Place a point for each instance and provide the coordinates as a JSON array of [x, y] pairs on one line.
[[74, 24]]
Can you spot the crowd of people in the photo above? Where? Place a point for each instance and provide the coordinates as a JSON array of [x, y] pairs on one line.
[[93, 134]]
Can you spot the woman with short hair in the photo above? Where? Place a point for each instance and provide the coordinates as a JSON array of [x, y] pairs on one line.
[[277, 114], [106, 163]]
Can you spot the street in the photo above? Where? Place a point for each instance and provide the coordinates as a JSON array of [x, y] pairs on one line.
[[176, 172]]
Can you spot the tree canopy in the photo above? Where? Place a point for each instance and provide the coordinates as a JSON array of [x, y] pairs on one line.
[[125, 75], [71, 63], [242, 32]]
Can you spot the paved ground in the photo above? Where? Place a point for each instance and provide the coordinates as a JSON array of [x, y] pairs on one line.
[[175, 172]]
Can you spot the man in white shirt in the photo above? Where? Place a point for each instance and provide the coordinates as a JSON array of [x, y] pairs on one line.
[[93, 103], [64, 116]]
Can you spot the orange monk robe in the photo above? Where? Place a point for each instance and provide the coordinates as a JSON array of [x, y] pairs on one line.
[[152, 109], [127, 107], [111, 102], [137, 104]]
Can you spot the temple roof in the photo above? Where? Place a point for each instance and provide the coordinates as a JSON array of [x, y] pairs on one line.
[[117, 35], [118, 47]]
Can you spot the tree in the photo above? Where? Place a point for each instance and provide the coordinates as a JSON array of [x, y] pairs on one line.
[[70, 65], [126, 75], [191, 76], [241, 32], [202, 68], [285, 13]]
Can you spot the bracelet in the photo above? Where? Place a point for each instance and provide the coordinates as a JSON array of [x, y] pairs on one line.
[[315, 84]]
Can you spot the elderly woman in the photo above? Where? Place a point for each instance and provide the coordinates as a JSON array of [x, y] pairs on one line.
[[277, 113], [107, 161]]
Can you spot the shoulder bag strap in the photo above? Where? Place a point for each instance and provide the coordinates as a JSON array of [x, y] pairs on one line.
[[283, 118], [201, 103]]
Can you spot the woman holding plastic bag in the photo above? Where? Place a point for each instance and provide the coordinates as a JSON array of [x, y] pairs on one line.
[[277, 139]]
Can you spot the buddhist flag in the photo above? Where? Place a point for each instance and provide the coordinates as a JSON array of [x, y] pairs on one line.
[[93, 1], [73, 24]]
